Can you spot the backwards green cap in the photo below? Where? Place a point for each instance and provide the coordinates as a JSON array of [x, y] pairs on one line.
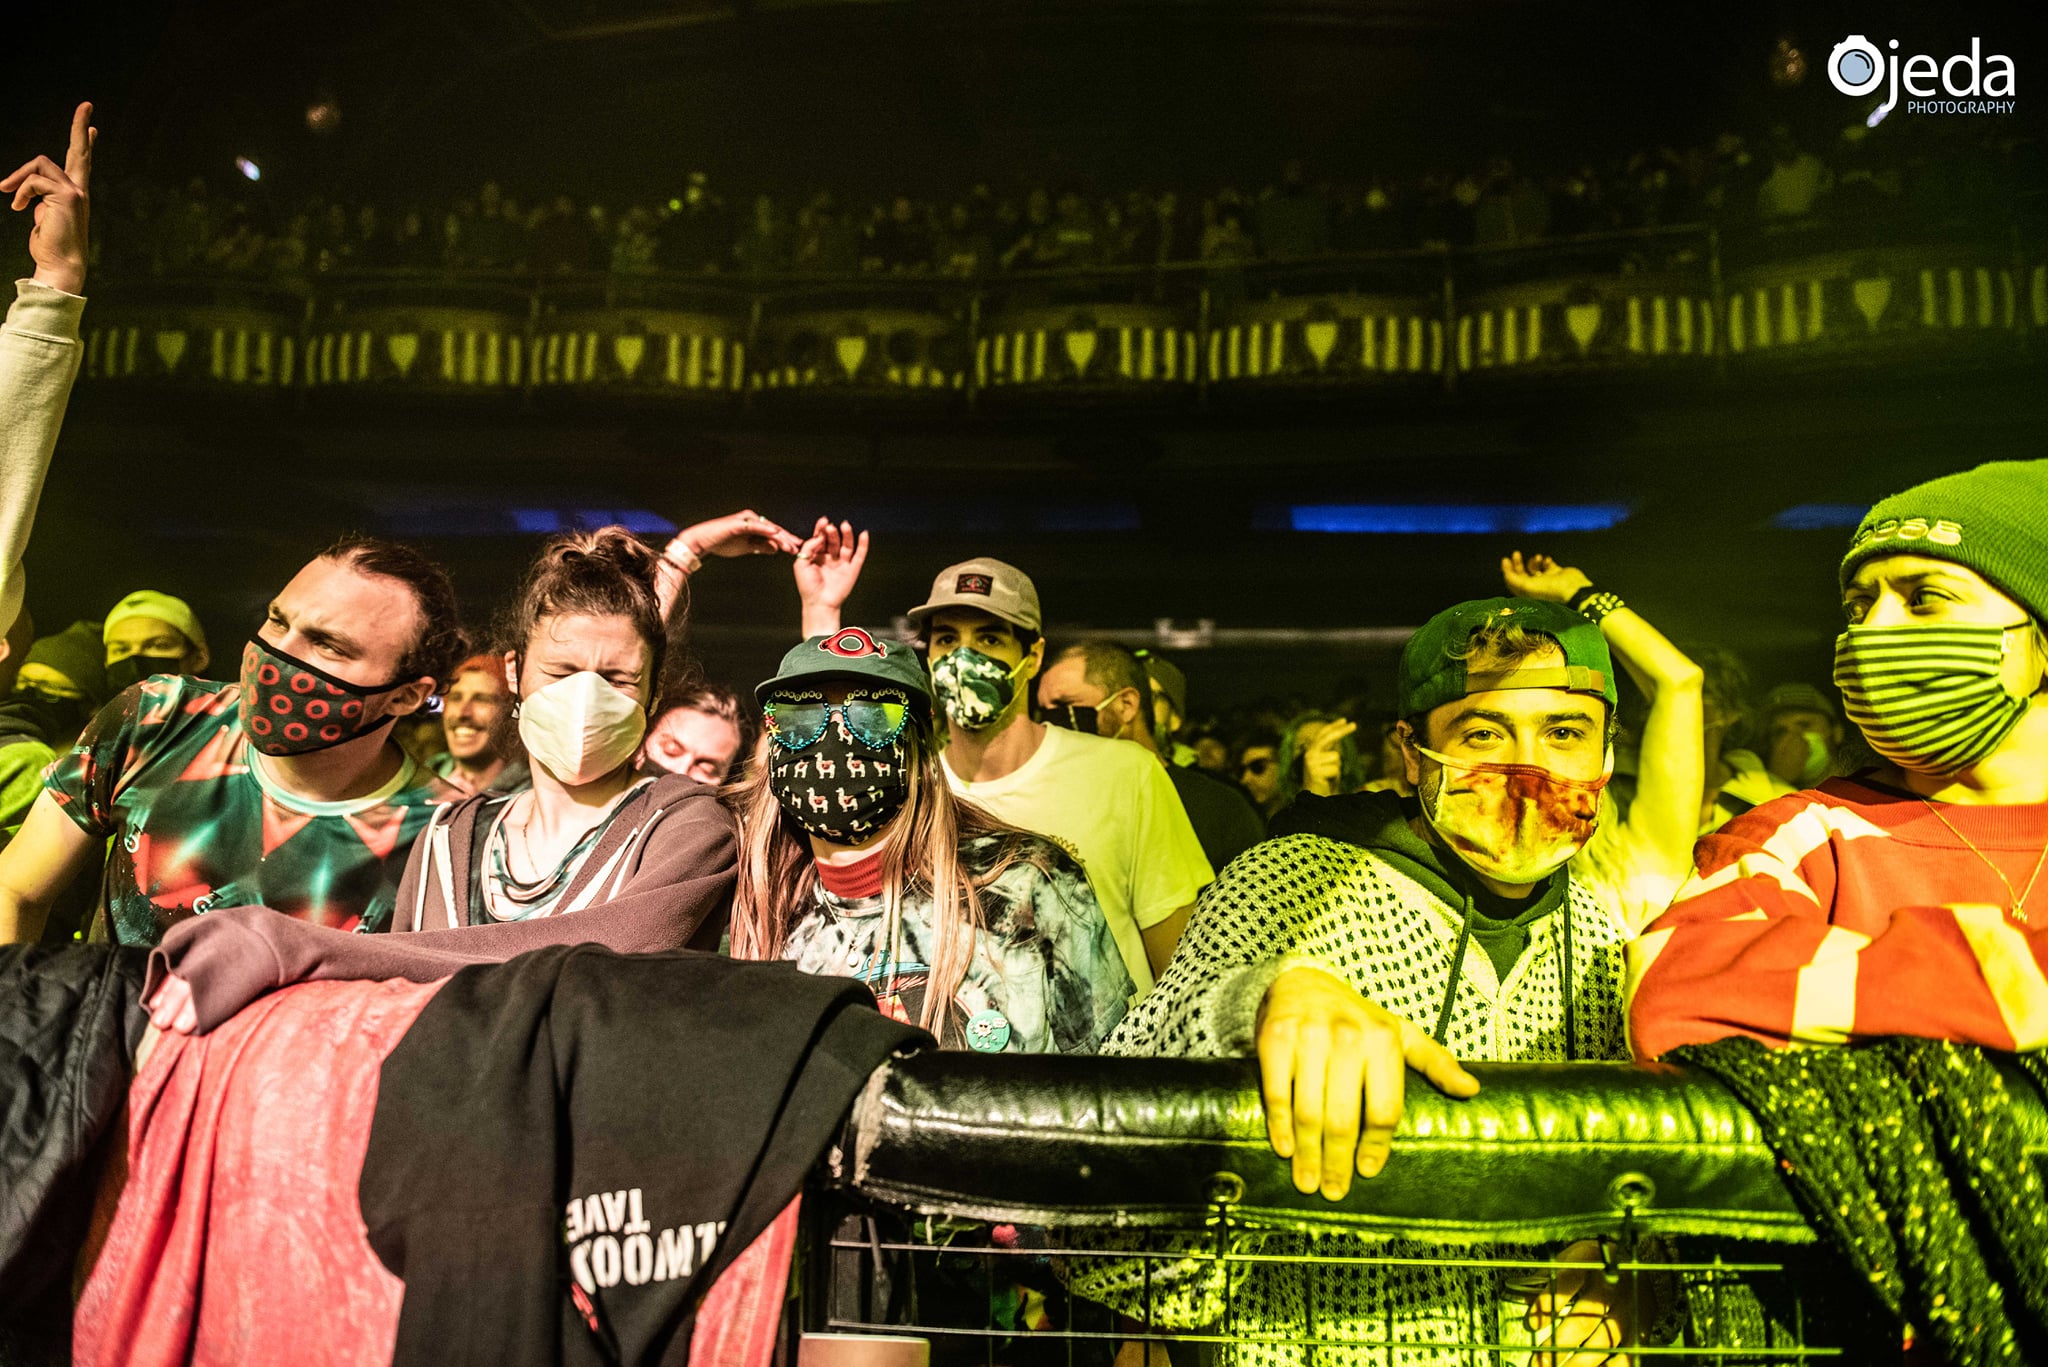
[[851, 654], [1432, 673]]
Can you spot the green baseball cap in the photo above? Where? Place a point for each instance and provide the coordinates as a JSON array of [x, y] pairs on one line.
[[852, 655], [1433, 671]]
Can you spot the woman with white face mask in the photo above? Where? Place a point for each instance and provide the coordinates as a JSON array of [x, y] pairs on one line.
[[585, 667]]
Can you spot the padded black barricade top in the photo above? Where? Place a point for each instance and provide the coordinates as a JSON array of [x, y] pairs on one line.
[[1545, 1151]]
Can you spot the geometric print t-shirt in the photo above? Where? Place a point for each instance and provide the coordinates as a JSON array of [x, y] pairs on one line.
[[166, 772]]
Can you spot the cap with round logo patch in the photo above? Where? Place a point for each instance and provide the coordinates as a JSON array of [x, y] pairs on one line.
[[851, 654]]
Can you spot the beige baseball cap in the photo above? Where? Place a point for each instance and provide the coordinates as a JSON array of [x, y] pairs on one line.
[[990, 585]]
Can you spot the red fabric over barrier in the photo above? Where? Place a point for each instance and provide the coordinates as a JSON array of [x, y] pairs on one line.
[[239, 1238]]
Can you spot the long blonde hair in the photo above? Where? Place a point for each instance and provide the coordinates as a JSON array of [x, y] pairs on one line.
[[778, 876]]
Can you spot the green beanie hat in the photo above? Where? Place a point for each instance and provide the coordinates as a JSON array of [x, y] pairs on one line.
[[1993, 519], [77, 654]]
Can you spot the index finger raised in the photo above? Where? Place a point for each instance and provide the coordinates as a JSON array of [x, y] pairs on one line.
[[78, 158]]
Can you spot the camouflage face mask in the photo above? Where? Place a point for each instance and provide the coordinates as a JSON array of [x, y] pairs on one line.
[[973, 688]]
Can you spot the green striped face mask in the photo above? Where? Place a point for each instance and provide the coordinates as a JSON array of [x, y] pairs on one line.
[[1929, 698]]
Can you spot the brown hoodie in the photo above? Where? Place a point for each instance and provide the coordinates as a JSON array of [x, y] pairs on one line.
[[660, 878]]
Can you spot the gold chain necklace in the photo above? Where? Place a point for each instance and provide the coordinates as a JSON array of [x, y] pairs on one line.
[[2019, 899]]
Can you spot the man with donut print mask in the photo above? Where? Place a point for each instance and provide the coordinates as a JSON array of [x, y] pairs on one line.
[[283, 789]]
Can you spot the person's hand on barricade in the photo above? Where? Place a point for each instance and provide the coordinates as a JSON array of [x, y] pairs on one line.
[[1333, 1073], [828, 565], [59, 193], [1538, 576], [1580, 1315]]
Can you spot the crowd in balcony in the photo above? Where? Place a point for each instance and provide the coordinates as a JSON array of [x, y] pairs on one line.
[[1734, 182]]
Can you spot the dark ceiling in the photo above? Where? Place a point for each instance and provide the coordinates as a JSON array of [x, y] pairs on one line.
[[625, 97]]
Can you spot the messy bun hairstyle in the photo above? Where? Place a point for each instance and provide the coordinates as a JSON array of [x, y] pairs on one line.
[[605, 573]]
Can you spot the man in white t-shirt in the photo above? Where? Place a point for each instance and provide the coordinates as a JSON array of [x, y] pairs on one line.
[[1109, 802]]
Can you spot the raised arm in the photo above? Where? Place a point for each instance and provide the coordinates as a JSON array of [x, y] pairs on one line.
[[39, 347], [57, 242], [742, 533], [1671, 778]]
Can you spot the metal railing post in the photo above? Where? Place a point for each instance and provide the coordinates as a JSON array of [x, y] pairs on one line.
[[1719, 290], [304, 398], [1450, 327], [529, 381], [974, 349], [1203, 322], [757, 308], [2022, 327]]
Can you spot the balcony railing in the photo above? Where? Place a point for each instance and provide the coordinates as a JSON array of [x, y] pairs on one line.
[[1669, 302]]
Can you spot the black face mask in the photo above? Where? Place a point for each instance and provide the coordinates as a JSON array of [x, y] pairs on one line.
[[1072, 717], [130, 670], [838, 788], [58, 718]]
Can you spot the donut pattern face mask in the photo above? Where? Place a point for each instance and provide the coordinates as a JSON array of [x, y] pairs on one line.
[[292, 708]]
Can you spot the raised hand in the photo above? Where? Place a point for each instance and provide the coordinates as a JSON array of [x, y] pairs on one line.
[[1538, 576], [828, 565], [58, 240], [742, 533], [1322, 759]]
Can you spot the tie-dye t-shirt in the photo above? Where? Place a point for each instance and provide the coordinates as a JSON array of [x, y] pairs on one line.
[[1045, 976], [165, 770]]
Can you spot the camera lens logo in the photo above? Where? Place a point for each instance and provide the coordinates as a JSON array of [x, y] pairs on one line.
[[1856, 66]]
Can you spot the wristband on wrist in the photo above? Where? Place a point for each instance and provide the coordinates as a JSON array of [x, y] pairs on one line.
[[1593, 603], [683, 556]]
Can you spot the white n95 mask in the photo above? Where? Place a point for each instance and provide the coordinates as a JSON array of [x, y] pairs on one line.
[[581, 728]]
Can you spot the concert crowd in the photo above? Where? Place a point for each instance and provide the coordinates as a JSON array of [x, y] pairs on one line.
[[1571, 838]]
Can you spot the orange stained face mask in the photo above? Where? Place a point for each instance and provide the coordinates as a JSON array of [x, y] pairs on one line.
[[1514, 823]]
